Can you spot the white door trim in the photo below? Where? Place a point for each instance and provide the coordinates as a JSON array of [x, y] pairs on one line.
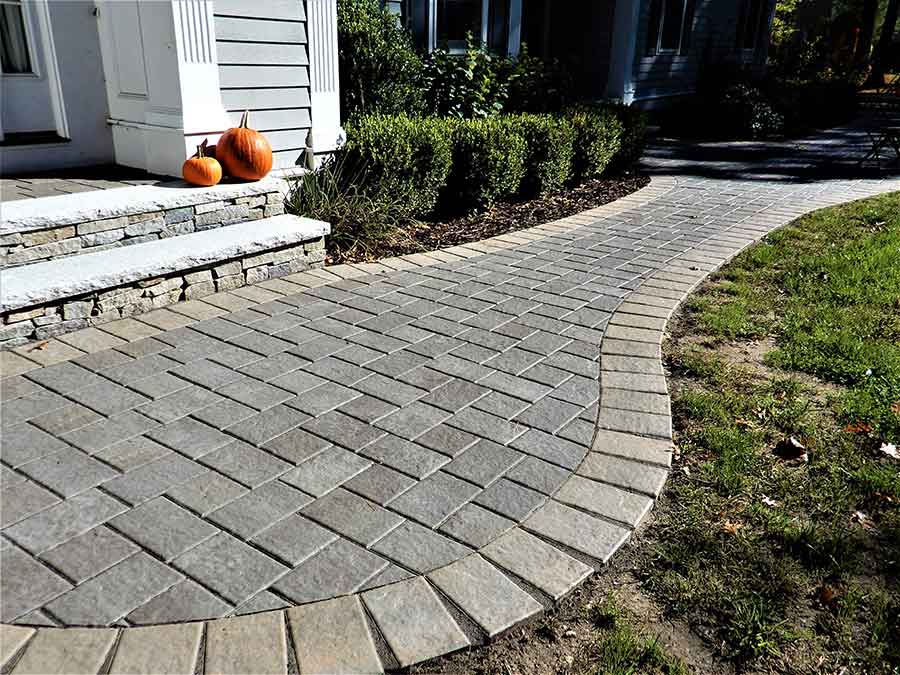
[[41, 10]]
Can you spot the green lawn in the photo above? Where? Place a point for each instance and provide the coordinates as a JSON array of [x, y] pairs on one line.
[[789, 562]]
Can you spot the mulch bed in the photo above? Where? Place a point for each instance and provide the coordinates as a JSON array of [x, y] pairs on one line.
[[500, 219]]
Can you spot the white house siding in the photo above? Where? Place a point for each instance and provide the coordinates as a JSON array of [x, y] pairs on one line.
[[264, 68], [713, 40], [84, 96]]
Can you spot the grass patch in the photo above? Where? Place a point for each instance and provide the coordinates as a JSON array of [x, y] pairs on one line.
[[788, 562], [619, 648]]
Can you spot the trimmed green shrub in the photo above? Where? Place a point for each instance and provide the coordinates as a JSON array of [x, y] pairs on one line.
[[634, 137], [488, 162], [598, 138], [549, 151], [334, 193], [402, 158], [380, 71]]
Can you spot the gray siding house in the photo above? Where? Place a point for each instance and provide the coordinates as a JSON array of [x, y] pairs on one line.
[[634, 51], [141, 82]]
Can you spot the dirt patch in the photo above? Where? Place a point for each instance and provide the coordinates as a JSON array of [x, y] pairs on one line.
[[501, 219]]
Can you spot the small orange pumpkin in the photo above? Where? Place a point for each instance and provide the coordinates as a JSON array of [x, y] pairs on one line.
[[200, 169], [244, 153]]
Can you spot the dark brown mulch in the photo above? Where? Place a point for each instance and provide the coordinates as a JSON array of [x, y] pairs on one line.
[[500, 219]]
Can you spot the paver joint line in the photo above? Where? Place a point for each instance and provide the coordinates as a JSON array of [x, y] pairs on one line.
[[328, 438]]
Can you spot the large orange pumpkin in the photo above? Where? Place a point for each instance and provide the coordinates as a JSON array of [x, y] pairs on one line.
[[244, 153], [200, 169]]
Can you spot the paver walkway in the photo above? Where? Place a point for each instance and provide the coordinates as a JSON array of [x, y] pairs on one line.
[[414, 456]]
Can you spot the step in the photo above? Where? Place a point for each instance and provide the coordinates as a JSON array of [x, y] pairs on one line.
[[45, 299], [47, 228]]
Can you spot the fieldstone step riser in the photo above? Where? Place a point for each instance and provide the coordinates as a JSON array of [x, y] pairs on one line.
[[91, 236], [65, 315]]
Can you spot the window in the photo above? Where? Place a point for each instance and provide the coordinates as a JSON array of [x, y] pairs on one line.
[[753, 21], [15, 56], [669, 30], [491, 22], [457, 18]]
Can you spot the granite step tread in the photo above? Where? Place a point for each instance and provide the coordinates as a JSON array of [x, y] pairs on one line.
[[44, 282], [29, 215]]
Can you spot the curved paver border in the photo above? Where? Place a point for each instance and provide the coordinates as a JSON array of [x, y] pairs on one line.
[[510, 580]]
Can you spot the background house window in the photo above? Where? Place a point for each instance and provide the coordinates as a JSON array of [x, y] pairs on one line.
[[752, 23], [494, 23], [15, 58], [670, 26], [455, 19]]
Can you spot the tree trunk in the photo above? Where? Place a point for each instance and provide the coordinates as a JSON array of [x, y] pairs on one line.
[[883, 47], [866, 30]]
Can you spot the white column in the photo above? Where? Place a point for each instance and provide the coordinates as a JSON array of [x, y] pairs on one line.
[[198, 69], [620, 83], [162, 80], [325, 101]]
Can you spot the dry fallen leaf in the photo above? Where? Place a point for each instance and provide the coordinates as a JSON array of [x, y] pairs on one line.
[[827, 594], [40, 345], [732, 528], [744, 423], [790, 449], [858, 428], [862, 519], [890, 450]]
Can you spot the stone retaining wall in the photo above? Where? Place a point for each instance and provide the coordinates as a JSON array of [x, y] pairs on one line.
[[69, 314], [21, 248]]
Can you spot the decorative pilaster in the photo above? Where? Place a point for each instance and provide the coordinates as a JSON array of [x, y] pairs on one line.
[[325, 101], [195, 42]]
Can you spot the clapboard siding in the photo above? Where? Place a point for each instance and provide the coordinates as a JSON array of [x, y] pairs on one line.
[[264, 99], [271, 120], [286, 10], [256, 53], [237, 77], [713, 40], [260, 30], [264, 68]]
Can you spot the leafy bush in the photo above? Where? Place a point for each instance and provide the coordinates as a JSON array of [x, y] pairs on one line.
[[633, 139], [402, 158], [488, 162], [335, 193], [549, 148], [536, 85], [380, 70], [474, 84], [598, 138], [479, 84], [746, 110]]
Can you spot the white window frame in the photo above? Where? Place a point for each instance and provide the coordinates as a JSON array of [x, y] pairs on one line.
[[658, 49], [513, 43], [30, 39]]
